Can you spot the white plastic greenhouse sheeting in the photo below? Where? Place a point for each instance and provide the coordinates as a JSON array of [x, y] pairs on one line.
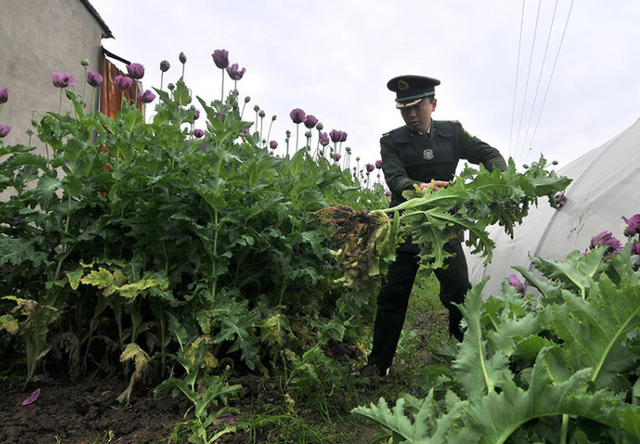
[[605, 187]]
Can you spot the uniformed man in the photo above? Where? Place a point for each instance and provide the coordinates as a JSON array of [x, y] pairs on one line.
[[421, 151]]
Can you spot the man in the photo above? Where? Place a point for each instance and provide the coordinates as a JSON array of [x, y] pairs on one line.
[[424, 152]]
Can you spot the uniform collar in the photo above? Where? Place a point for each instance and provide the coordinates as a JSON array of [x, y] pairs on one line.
[[428, 131]]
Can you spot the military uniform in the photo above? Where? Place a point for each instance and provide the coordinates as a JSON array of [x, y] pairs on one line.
[[410, 158]]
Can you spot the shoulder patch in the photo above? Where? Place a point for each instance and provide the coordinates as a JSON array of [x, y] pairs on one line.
[[386, 134]]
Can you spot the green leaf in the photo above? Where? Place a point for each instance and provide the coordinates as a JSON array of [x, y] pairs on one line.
[[595, 330], [479, 371]]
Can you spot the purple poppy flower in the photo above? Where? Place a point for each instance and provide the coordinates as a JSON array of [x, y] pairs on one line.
[[297, 115], [221, 58], [123, 82], [335, 135], [517, 284], [165, 65], [245, 131], [273, 144], [378, 164], [310, 121], [196, 114], [561, 199], [324, 139], [234, 72], [94, 79], [198, 133], [633, 225], [336, 156], [135, 70], [4, 95], [146, 97], [370, 167], [387, 193], [635, 249], [4, 130], [607, 240], [62, 79], [343, 136]]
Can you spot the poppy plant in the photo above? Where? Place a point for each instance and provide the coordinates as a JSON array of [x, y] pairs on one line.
[[297, 116], [4, 95], [221, 59]]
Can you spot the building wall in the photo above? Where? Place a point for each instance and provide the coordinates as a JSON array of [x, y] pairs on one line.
[[38, 37]]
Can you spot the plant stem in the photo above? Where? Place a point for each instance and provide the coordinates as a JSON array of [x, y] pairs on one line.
[[565, 429]]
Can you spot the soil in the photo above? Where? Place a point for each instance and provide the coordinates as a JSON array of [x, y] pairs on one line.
[[86, 411]]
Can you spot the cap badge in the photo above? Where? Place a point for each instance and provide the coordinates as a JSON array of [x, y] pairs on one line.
[[428, 154], [403, 85]]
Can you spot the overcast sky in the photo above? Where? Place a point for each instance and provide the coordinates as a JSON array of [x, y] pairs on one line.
[[333, 59]]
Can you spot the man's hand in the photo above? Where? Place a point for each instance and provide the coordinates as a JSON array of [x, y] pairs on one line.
[[434, 185]]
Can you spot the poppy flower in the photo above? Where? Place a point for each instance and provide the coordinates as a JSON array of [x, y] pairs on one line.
[[135, 70], [310, 121], [606, 239], [221, 58], [62, 79], [297, 115], [94, 79], [4, 131], [517, 284], [146, 97], [234, 72], [4, 95], [123, 82], [633, 225]]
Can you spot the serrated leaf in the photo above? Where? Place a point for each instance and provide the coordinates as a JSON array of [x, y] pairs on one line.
[[478, 370]]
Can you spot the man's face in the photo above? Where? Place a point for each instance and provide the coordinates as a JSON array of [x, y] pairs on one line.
[[418, 118]]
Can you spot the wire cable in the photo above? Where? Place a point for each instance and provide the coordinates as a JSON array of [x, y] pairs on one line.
[[515, 88], [555, 63], [526, 86], [535, 96]]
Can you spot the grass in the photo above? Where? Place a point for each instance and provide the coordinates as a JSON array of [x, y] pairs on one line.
[[321, 413]]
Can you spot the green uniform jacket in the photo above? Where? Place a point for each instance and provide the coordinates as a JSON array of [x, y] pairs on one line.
[[410, 158]]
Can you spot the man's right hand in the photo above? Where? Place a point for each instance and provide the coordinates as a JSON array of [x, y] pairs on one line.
[[434, 185]]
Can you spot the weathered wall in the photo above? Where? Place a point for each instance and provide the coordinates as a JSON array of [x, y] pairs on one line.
[[38, 37]]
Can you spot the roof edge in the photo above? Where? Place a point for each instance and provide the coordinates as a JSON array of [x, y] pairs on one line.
[[107, 32]]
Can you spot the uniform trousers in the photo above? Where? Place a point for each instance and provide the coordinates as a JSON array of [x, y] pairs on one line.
[[393, 299]]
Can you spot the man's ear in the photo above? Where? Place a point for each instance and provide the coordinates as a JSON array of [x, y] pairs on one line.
[[434, 103]]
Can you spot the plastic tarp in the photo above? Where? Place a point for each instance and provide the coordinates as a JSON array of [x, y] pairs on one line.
[[605, 187]]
